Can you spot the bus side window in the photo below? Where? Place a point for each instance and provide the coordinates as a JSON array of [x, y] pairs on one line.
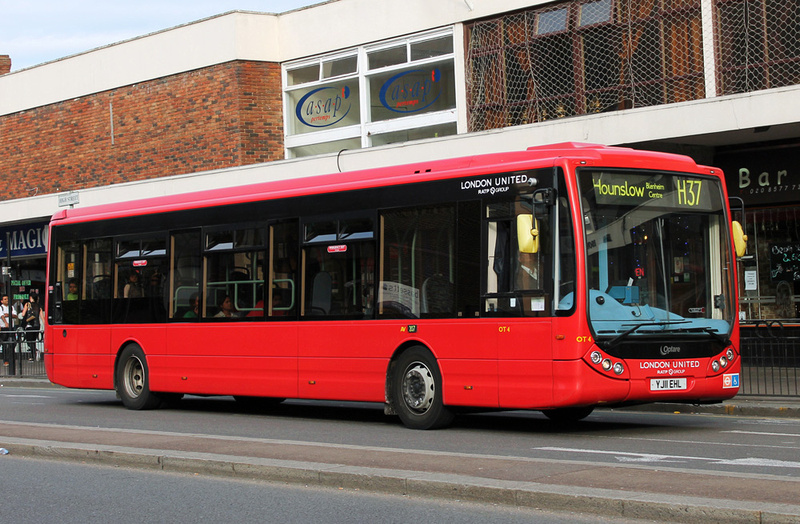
[[517, 274], [141, 271], [468, 227], [68, 276], [566, 261], [282, 297], [339, 267], [233, 272], [185, 276], [96, 287], [417, 272]]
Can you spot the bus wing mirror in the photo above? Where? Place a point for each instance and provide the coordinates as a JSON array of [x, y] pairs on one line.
[[527, 234], [542, 201], [739, 239]]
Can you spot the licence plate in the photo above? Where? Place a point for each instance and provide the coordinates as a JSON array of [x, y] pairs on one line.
[[667, 384]]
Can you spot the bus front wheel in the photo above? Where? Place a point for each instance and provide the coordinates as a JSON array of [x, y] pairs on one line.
[[417, 390], [132, 380]]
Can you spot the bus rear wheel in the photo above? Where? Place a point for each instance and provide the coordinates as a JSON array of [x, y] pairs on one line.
[[132, 380], [417, 390]]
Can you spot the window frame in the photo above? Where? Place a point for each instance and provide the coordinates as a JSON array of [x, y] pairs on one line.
[[368, 132]]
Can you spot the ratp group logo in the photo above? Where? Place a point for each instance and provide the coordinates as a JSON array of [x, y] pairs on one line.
[[411, 91], [324, 106]]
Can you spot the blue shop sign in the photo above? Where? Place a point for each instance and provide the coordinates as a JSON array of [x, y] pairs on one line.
[[26, 239]]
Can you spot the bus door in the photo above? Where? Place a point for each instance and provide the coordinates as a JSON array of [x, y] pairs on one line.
[[338, 283], [528, 280], [80, 312]]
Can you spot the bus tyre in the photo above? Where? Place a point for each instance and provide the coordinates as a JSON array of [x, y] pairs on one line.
[[132, 380], [417, 390], [568, 415]]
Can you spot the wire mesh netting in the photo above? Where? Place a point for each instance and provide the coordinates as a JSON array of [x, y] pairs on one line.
[[758, 44], [576, 57], [579, 57]]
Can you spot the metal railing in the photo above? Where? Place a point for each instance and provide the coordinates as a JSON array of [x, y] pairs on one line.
[[22, 353], [770, 359]]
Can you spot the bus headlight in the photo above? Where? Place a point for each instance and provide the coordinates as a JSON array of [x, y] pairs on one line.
[[715, 366], [723, 361], [606, 365], [619, 368], [729, 354], [596, 357]]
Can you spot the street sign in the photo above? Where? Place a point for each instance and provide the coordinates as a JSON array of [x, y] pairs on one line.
[[68, 199]]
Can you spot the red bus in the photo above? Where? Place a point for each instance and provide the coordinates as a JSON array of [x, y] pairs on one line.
[[559, 279]]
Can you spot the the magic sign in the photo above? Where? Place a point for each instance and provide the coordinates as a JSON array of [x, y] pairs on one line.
[[26, 239]]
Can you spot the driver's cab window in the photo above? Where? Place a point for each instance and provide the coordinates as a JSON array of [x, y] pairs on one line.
[[518, 261], [523, 243]]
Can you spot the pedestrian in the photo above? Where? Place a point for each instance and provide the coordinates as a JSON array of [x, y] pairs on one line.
[[5, 327], [32, 323]]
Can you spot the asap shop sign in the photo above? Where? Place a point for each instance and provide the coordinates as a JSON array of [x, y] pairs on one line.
[[411, 91], [324, 106]]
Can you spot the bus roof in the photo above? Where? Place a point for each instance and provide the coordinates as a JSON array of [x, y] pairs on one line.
[[533, 157]]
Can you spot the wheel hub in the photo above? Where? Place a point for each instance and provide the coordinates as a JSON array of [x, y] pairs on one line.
[[418, 387]]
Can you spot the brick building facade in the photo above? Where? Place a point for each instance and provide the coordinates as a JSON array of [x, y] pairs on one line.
[[224, 115]]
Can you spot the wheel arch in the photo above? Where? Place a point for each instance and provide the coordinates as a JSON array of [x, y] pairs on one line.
[[122, 347]]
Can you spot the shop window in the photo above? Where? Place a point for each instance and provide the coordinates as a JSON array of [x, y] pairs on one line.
[[769, 278], [379, 94], [551, 21], [594, 12]]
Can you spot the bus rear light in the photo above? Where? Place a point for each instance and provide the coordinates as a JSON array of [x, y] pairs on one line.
[[606, 365], [596, 357], [619, 369]]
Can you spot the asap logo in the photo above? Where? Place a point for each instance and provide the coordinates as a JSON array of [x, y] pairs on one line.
[[411, 91], [324, 106]]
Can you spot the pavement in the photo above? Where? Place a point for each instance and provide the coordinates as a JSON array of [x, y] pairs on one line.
[[624, 491]]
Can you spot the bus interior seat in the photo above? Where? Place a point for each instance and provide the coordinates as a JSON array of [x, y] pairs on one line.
[[321, 294], [101, 286], [437, 295]]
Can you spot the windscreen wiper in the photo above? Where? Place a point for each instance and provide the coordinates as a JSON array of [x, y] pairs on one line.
[[722, 339], [608, 344]]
